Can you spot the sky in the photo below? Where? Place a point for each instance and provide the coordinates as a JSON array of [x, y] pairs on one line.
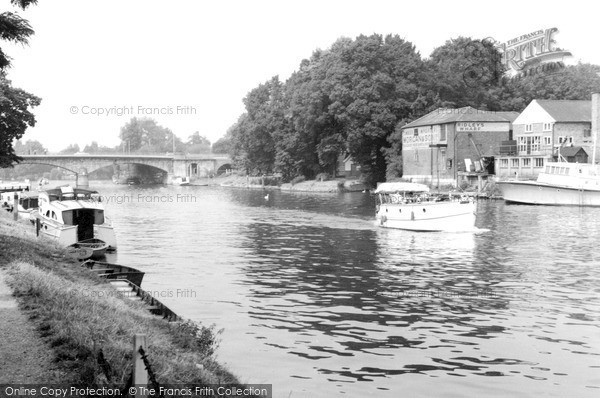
[[189, 64]]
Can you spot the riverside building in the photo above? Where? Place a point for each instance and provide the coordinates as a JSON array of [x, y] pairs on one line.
[[448, 146]]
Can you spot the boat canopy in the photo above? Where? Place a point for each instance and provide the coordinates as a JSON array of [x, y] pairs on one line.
[[394, 187]]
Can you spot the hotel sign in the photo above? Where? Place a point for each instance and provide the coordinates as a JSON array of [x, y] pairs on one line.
[[531, 50]]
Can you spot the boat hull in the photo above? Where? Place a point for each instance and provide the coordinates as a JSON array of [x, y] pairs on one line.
[[428, 216], [532, 192], [66, 235]]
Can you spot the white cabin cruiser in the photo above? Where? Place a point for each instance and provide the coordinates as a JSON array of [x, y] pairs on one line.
[[74, 215], [409, 206], [560, 183]]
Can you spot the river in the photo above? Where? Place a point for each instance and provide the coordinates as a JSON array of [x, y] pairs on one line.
[[317, 300]]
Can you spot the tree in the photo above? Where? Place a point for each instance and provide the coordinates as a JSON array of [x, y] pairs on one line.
[[254, 146], [197, 143], [373, 83], [222, 145], [462, 72], [30, 147], [144, 135], [71, 149], [15, 103]]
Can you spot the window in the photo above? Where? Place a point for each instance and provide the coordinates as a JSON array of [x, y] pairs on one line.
[[538, 162], [547, 126], [443, 155], [587, 132], [562, 139], [416, 132], [528, 128], [443, 132], [526, 162], [535, 143], [503, 163], [514, 162], [522, 144], [547, 140]]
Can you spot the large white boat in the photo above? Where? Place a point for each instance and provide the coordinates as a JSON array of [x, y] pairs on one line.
[[71, 215], [405, 205], [560, 183]]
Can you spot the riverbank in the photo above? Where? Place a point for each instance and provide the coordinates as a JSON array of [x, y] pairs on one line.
[[329, 186], [82, 324]]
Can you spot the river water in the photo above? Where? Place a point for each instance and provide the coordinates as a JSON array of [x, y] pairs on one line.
[[317, 300]]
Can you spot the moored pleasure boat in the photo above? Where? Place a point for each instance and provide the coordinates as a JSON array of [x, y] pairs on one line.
[[560, 183], [182, 181], [409, 206], [72, 215], [27, 203]]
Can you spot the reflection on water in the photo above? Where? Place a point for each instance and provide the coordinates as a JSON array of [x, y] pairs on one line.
[[318, 301]]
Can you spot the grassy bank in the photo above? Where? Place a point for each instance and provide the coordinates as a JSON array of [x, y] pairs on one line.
[[90, 327]]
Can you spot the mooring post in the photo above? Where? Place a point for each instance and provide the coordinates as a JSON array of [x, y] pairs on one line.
[[15, 206], [140, 375], [37, 226]]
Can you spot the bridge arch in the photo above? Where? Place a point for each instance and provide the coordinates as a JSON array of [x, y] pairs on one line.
[[49, 164]]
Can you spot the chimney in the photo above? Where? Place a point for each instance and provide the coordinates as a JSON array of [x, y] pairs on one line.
[[595, 123]]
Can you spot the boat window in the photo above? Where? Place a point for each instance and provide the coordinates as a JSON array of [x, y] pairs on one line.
[[68, 217], [548, 169], [553, 170], [98, 217], [48, 213], [54, 216]]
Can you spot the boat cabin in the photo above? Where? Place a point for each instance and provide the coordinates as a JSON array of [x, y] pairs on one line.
[[73, 207]]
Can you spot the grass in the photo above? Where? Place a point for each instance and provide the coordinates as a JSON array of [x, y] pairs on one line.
[[83, 319]]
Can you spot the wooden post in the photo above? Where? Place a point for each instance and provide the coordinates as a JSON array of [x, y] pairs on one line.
[[16, 206], [37, 226], [140, 375]]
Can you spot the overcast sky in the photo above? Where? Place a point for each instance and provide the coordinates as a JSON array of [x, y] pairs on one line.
[[205, 56]]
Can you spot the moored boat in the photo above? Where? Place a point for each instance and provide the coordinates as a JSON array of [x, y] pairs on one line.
[[27, 203], [559, 184], [181, 181], [71, 216], [96, 247], [410, 206], [115, 271]]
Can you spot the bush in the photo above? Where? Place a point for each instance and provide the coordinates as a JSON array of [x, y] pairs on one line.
[[191, 335], [298, 180]]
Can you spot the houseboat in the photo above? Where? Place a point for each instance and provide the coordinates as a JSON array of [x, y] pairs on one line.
[[410, 206], [71, 216], [559, 184]]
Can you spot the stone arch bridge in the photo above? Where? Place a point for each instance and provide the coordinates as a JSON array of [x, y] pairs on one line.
[[192, 166]]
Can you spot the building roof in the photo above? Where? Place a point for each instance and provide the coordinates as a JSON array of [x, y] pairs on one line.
[[568, 151], [568, 110], [465, 114]]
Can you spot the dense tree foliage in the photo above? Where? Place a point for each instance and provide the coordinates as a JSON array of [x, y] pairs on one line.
[[15, 103], [346, 100], [353, 98]]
